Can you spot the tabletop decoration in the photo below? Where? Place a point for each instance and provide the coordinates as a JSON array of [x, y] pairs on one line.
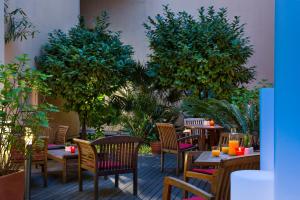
[[72, 149], [240, 151], [212, 122]]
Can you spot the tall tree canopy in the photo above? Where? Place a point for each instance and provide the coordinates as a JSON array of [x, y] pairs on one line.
[[206, 55], [85, 64]]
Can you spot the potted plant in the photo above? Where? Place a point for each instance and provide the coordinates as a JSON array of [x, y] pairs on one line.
[[20, 118]]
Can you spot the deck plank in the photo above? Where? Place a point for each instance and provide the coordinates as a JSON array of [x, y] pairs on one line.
[[150, 183]]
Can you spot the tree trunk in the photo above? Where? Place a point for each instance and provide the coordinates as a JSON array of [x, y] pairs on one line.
[[83, 128]]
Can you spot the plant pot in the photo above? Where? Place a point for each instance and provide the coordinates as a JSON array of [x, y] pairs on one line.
[[155, 147], [12, 186]]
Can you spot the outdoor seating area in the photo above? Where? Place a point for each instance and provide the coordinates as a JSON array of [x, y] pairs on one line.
[[149, 100]]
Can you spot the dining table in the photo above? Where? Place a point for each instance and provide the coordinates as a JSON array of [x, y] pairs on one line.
[[205, 158], [204, 131]]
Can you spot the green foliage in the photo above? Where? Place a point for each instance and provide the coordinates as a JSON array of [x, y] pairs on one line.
[[224, 113], [205, 56], [241, 111], [17, 24], [85, 64], [141, 109], [145, 149], [96, 135], [18, 81]]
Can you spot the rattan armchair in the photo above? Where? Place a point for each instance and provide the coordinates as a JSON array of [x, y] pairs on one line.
[[173, 143], [220, 181], [108, 156]]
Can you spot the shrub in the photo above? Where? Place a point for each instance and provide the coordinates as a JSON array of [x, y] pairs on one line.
[[205, 56]]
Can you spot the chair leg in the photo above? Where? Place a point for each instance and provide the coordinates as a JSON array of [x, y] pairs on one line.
[[184, 192], [80, 179], [162, 161], [182, 160], [96, 186], [135, 182], [178, 163], [117, 180], [45, 174]]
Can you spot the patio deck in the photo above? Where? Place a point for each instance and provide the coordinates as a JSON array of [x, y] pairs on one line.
[[150, 183]]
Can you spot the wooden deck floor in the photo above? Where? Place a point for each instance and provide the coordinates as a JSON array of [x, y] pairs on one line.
[[150, 181]]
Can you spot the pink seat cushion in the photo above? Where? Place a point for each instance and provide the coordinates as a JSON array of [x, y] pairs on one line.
[[204, 171], [195, 198], [109, 164], [183, 146]]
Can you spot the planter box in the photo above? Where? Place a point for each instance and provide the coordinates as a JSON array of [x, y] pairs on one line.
[[155, 147], [12, 186]]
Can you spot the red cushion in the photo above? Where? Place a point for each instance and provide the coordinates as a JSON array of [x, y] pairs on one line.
[[183, 146], [195, 198], [109, 164], [204, 171]]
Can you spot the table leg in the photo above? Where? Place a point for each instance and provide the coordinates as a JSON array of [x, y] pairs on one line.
[[64, 171], [203, 142]]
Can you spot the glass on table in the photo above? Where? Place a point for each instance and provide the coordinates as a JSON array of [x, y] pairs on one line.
[[215, 151], [225, 148]]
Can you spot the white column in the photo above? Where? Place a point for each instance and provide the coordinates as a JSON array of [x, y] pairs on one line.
[[2, 45], [287, 100]]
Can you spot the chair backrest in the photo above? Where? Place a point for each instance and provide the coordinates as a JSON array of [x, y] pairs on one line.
[[221, 188], [38, 153], [167, 136], [109, 154], [224, 138], [61, 134], [194, 121]]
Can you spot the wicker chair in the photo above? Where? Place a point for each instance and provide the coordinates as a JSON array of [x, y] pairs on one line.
[[220, 182], [60, 138], [171, 142], [108, 156]]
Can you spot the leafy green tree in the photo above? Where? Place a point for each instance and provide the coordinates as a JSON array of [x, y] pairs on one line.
[[205, 56], [17, 82], [84, 64]]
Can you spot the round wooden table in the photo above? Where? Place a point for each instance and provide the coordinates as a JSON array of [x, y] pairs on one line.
[[202, 129]]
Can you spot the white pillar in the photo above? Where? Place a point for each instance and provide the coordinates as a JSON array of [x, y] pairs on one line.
[[287, 100], [2, 45]]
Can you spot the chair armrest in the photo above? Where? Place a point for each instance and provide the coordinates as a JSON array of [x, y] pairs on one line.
[[170, 182], [87, 155], [191, 174]]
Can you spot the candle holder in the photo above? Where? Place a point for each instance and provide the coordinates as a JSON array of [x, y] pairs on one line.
[[240, 151], [72, 149]]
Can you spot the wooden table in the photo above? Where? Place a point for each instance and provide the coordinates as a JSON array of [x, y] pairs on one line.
[[201, 129], [64, 157], [206, 158]]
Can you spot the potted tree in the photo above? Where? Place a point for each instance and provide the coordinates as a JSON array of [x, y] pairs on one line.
[[19, 116]]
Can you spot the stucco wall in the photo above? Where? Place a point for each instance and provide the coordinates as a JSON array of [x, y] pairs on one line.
[[1, 32], [128, 16], [46, 15]]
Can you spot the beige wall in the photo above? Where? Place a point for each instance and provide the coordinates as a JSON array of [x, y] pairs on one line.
[[46, 15], [1, 32], [128, 16]]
